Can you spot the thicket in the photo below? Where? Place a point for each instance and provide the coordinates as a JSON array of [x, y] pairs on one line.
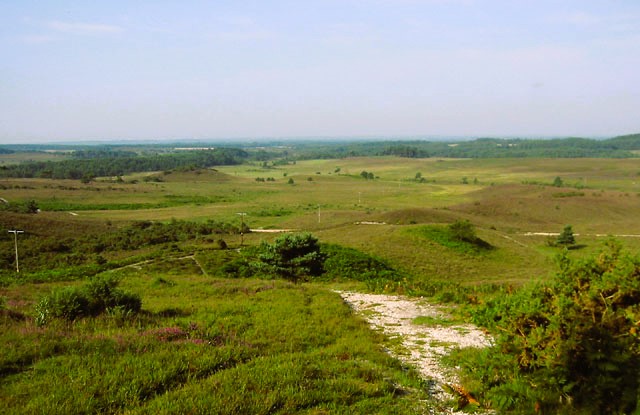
[[28, 206], [96, 297], [570, 345]]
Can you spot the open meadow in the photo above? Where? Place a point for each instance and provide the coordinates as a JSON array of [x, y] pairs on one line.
[[211, 334]]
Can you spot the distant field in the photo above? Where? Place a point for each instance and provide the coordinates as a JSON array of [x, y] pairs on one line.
[[504, 198]]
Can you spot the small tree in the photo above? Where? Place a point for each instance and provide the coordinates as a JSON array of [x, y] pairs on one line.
[[566, 238], [463, 230], [31, 207], [557, 182], [293, 256]]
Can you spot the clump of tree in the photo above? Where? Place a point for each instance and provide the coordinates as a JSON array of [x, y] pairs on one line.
[[100, 153], [405, 151], [367, 175], [569, 345]]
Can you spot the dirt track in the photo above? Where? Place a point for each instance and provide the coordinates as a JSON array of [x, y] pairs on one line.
[[423, 344]]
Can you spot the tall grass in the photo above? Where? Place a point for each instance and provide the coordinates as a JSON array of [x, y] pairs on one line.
[[238, 346]]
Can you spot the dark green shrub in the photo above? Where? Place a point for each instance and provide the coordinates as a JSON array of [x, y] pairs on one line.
[[348, 263], [566, 238], [292, 257]]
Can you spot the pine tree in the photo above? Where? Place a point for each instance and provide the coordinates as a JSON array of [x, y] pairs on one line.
[[566, 237]]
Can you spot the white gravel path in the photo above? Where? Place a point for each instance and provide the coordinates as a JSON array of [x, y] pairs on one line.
[[423, 344]]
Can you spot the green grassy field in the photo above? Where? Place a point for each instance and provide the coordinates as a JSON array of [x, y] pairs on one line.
[[205, 344], [508, 200]]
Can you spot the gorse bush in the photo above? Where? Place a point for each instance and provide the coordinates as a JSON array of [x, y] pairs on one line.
[[91, 299], [570, 345]]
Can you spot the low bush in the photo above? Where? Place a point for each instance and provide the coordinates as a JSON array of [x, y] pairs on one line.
[[91, 299]]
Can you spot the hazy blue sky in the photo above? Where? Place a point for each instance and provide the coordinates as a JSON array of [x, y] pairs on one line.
[[154, 69]]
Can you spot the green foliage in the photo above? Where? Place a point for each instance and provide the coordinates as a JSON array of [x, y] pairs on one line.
[[367, 175], [463, 230], [292, 256], [405, 151], [459, 236], [91, 299], [557, 182], [619, 147], [28, 206], [295, 256], [344, 263], [567, 346], [566, 237]]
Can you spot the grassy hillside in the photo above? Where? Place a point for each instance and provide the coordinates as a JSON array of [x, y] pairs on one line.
[[205, 342]]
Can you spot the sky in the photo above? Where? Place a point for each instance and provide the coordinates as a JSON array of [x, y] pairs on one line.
[[199, 70]]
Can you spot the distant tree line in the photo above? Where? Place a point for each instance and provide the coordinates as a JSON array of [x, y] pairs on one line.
[[122, 164], [618, 147], [101, 153]]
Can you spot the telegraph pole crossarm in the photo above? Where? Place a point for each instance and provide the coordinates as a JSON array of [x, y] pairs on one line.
[[15, 233]]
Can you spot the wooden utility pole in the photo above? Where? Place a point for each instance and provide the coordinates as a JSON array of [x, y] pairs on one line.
[[242, 215], [15, 233]]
